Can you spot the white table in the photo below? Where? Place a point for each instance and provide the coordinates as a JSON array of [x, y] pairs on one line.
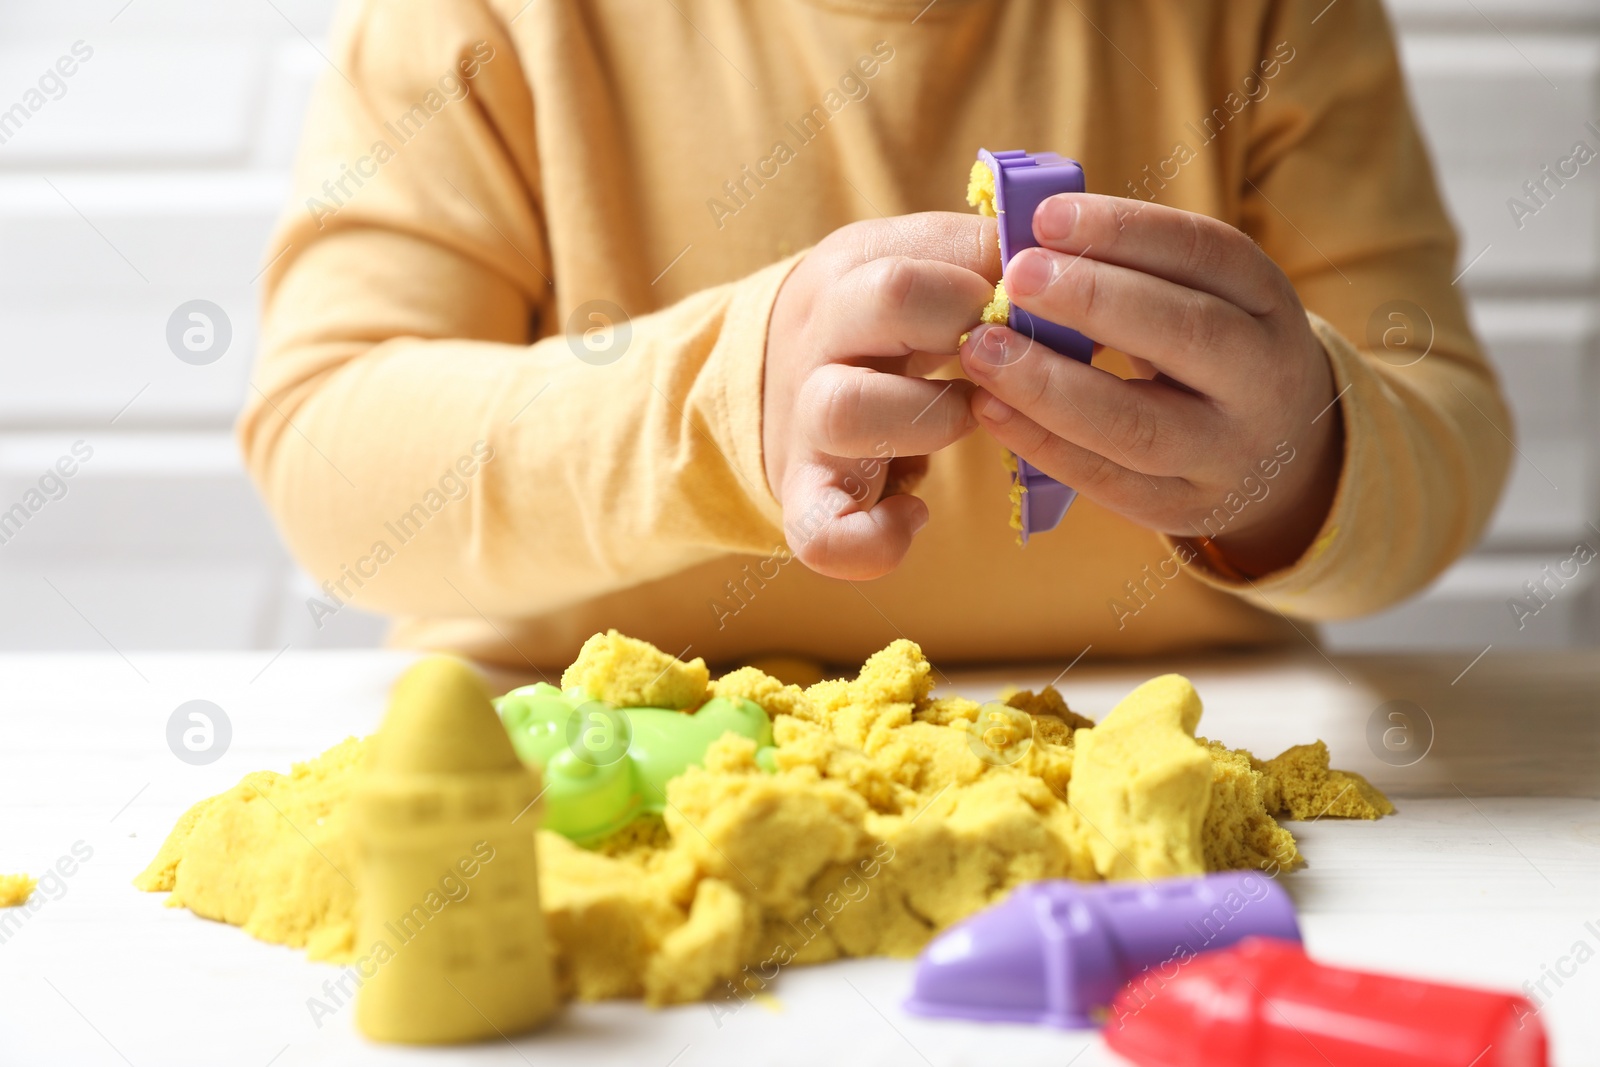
[[1489, 874]]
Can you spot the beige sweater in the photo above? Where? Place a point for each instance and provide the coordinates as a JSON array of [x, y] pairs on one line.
[[476, 173]]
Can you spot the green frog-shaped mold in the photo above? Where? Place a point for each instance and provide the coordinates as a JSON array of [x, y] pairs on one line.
[[604, 765]]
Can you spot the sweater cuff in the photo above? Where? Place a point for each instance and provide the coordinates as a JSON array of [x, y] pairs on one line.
[[742, 357], [1314, 585]]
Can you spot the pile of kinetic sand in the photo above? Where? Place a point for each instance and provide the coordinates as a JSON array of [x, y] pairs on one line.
[[891, 814]]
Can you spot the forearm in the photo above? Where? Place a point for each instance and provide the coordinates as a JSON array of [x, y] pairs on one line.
[[585, 477]]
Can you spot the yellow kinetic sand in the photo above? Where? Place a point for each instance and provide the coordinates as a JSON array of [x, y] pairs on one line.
[[1143, 785], [443, 828], [1017, 489], [1304, 792], [980, 194], [891, 813], [997, 312], [635, 674], [15, 889]]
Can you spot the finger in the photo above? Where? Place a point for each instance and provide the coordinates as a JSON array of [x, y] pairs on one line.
[[961, 238], [1181, 246], [1148, 426], [1195, 337], [1110, 484], [832, 531], [897, 305], [851, 411]]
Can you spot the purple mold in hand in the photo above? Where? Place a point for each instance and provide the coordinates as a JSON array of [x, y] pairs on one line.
[[1022, 181]]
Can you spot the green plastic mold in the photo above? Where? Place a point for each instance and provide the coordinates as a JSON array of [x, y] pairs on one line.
[[603, 765]]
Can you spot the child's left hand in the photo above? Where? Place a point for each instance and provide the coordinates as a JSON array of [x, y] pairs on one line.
[[1233, 368]]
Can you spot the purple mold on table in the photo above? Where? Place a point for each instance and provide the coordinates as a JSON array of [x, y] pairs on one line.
[[1056, 953]]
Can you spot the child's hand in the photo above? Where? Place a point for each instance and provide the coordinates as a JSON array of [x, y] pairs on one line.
[[1234, 371], [847, 425]]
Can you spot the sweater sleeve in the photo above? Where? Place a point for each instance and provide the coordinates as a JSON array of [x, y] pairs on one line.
[[427, 437], [1337, 187]]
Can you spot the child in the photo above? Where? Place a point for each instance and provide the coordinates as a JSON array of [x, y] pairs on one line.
[[645, 315]]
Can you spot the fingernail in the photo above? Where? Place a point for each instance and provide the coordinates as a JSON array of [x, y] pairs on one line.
[[994, 409], [918, 524], [1028, 272], [1056, 218], [991, 347]]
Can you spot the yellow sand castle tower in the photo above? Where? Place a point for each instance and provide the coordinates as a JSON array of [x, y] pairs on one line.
[[449, 887]]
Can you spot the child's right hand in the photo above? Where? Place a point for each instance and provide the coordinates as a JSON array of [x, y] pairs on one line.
[[847, 423]]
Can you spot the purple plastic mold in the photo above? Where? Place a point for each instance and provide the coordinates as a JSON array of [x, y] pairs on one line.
[[1022, 181], [1055, 953]]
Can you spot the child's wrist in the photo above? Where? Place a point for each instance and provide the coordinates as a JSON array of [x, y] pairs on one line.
[[1283, 538]]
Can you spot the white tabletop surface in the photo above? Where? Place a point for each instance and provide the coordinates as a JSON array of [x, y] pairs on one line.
[[1489, 874]]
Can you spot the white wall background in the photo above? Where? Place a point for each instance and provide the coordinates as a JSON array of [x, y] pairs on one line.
[[154, 178]]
